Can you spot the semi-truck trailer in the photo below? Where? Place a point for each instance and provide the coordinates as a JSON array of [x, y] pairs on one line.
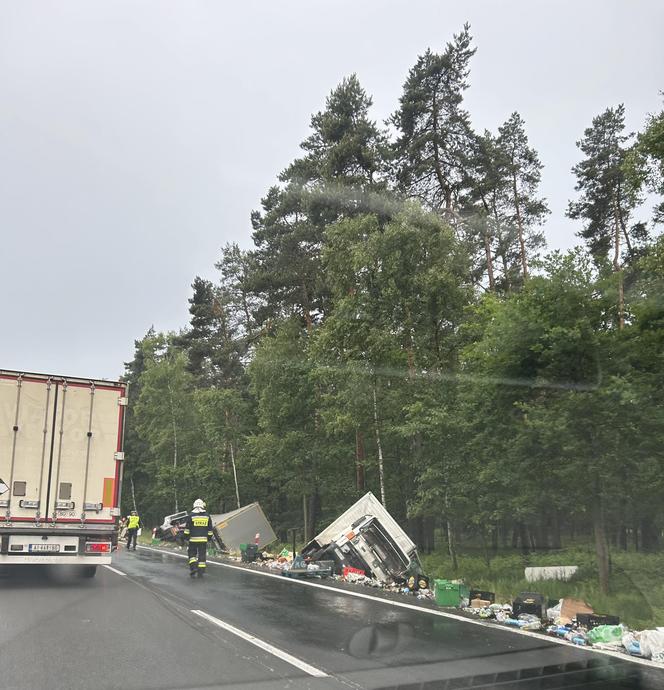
[[61, 459]]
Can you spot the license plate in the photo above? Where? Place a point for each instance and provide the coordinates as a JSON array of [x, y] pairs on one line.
[[44, 548]]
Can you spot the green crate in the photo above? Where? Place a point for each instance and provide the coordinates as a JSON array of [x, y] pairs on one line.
[[448, 593]]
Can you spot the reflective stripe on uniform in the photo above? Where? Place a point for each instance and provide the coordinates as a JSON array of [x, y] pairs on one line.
[[198, 540], [193, 560], [202, 565], [186, 531]]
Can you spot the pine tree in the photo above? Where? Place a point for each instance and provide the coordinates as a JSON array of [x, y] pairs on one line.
[[521, 167], [210, 344], [345, 145], [607, 200], [338, 176], [434, 133]]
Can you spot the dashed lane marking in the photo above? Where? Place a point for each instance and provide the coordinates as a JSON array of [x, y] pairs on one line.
[[265, 646]]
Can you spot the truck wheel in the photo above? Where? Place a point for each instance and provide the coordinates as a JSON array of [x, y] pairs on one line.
[[88, 571]]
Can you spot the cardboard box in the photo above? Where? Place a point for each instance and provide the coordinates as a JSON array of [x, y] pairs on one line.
[[479, 603], [571, 608]]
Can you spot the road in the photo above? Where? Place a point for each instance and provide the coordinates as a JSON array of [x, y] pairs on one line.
[[144, 624]]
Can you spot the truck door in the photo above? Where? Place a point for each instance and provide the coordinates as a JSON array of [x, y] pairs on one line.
[[85, 469], [26, 431]]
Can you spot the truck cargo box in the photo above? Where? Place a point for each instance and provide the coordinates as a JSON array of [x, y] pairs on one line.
[[60, 468], [242, 525]]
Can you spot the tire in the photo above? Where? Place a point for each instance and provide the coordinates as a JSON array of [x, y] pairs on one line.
[[88, 571]]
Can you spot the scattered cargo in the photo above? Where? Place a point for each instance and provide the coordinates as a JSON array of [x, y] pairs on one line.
[[530, 603], [451, 593]]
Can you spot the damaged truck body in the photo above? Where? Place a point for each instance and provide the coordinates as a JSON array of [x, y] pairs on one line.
[[366, 537]]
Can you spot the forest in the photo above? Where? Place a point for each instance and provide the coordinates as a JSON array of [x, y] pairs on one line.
[[398, 325]]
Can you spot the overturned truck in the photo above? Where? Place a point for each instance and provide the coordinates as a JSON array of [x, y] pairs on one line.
[[368, 538]]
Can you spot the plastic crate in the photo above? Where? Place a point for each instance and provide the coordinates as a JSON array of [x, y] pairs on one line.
[[529, 602], [592, 620], [485, 596], [448, 593]]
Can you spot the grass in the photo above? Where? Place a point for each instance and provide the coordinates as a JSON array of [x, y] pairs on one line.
[[636, 585]]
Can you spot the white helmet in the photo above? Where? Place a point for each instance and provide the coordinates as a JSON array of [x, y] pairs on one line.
[[199, 503]]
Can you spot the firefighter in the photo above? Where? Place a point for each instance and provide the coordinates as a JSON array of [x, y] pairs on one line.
[[133, 522], [198, 532]]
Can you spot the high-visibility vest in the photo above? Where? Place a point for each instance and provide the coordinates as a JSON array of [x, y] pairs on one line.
[[133, 521], [198, 528]]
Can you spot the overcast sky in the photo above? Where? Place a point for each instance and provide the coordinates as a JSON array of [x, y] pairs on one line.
[[136, 137]]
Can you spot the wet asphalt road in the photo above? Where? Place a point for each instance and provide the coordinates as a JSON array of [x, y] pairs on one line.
[[135, 627]]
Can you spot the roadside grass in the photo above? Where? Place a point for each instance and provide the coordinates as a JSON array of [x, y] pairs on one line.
[[636, 584]]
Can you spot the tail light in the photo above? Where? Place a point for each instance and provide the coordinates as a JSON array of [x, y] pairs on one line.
[[98, 547]]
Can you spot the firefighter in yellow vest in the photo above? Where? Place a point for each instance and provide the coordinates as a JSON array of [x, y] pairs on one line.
[[198, 532], [133, 523]]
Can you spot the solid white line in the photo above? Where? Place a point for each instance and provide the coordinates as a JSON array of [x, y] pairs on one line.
[[265, 646], [431, 612], [115, 570]]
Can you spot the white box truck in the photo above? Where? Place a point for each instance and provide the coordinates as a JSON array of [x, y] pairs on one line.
[[60, 469]]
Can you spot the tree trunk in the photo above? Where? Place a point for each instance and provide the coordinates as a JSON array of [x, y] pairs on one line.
[[649, 535], [133, 495], [601, 545], [175, 448], [622, 537], [616, 265], [237, 488], [305, 517], [451, 545], [524, 538], [429, 531], [360, 458], [519, 225], [489, 259], [232, 453], [314, 500], [508, 284], [555, 536], [381, 470]]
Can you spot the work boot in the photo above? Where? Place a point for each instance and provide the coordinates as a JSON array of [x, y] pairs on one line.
[[192, 573]]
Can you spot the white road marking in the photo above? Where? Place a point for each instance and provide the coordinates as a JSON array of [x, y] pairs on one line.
[[115, 570], [431, 612], [265, 646]]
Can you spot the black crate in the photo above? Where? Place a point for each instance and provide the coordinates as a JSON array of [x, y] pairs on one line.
[[250, 553], [529, 602], [481, 594], [592, 620]]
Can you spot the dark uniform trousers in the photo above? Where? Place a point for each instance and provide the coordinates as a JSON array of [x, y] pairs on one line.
[[197, 554]]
